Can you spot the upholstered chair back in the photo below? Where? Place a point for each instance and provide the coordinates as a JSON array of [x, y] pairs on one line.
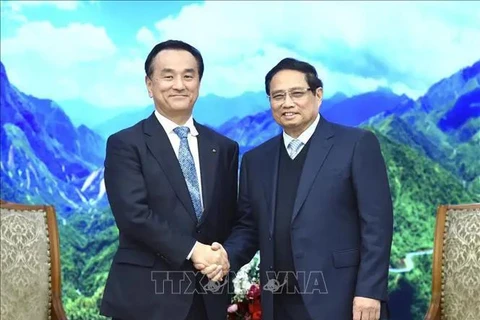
[[461, 265], [456, 265], [27, 267]]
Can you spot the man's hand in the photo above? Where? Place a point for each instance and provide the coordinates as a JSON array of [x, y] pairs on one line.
[[225, 262], [211, 260], [366, 309]]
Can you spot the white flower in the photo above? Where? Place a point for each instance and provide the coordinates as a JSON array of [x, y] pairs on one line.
[[246, 276]]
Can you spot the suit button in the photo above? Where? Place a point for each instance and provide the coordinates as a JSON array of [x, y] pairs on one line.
[[271, 267], [269, 238], [199, 231]]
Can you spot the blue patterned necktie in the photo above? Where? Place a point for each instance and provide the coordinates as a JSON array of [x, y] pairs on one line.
[[187, 164], [294, 148]]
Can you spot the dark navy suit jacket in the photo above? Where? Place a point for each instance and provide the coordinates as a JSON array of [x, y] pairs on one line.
[[158, 227], [342, 221]]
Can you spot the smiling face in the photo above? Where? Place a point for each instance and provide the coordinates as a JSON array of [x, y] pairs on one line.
[[174, 84], [294, 105]]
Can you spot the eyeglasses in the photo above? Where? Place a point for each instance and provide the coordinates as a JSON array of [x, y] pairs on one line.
[[295, 94]]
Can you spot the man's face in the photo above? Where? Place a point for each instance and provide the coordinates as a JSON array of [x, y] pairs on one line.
[[174, 83], [296, 111]]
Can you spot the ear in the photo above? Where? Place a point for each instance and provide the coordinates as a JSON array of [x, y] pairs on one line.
[[148, 83], [319, 95]]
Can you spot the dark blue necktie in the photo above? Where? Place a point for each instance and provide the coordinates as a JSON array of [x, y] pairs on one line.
[[187, 164]]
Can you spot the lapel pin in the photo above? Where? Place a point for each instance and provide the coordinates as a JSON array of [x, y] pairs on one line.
[[214, 150]]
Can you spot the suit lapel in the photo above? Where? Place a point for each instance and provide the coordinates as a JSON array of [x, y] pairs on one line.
[[159, 145], [208, 153], [270, 172], [320, 146]]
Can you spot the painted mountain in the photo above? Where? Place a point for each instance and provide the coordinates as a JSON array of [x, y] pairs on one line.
[[429, 144], [443, 125], [44, 158]]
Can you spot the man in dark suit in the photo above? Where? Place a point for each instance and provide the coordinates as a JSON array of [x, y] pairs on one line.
[[172, 187], [316, 201]]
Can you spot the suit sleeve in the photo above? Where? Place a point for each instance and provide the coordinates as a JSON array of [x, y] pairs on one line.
[[376, 217], [242, 244], [127, 194]]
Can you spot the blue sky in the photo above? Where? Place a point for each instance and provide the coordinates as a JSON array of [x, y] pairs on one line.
[[94, 51]]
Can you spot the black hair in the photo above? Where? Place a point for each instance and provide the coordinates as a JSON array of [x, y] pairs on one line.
[[306, 68], [174, 45]]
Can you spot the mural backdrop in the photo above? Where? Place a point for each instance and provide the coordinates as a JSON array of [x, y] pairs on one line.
[[72, 74]]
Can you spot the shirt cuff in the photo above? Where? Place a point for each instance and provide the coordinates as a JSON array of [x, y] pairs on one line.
[[191, 251]]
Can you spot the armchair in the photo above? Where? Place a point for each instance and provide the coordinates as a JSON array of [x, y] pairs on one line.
[[30, 263], [456, 264]]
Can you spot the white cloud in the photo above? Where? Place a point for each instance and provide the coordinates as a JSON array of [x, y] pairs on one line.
[[231, 79], [127, 87], [62, 5], [130, 67], [106, 83], [416, 43], [400, 88], [12, 16], [411, 45], [122, 93], [146, 37], [65, 46], [59, 63]]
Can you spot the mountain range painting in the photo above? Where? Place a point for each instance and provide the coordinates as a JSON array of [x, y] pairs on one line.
[[60, 104]]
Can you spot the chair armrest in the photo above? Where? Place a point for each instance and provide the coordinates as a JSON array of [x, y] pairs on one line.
[[58, 313], [433, 312]]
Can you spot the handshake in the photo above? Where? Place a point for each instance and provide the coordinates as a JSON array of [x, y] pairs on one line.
[[212, 260]]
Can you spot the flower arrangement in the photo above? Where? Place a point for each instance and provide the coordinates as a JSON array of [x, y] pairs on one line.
[[246, 301]]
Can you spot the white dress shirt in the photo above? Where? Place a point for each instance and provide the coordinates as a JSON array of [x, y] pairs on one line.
[[304, 137], [168, 125]]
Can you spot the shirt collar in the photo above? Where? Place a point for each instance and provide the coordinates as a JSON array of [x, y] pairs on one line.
[[168, 125], [305, 136]]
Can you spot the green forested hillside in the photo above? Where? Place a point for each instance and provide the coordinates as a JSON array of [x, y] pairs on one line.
[[88, 246]]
